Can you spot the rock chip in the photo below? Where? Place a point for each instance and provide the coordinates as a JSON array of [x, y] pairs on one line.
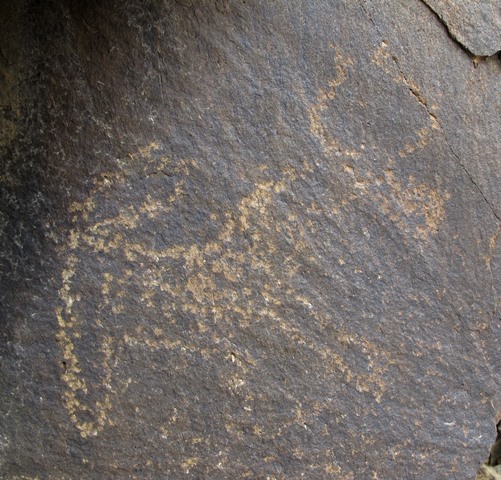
[[475, 25]]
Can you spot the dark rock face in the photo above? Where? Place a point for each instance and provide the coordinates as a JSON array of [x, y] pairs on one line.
[[247, 239]]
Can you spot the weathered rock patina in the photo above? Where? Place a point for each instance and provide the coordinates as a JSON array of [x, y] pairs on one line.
[[246, 239]]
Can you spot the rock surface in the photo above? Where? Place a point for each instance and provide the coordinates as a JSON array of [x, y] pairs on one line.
[[246, 239], [475, 25]]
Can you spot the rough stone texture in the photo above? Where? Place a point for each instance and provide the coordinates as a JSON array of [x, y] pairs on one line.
[[475, 25], [246, 239]]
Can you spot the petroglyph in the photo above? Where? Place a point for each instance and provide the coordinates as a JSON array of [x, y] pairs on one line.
[[321, 106], [192, 291], [413, 206], [389, 63], [189, 298]]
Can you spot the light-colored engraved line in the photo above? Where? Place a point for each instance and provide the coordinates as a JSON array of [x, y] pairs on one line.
[[401, 202], [417, 201], [488, 263], [198, 293], [325, 96], [97, 237], [389, 63], [71, 376]]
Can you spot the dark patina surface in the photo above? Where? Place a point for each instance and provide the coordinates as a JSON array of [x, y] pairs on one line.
[[246, 239]]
